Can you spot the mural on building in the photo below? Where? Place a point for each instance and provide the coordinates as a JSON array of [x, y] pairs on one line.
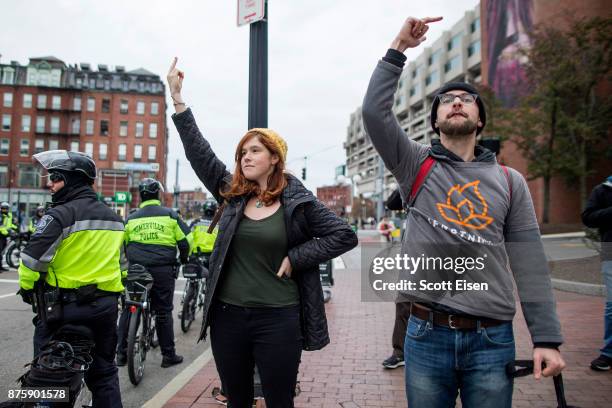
[[508, 22]]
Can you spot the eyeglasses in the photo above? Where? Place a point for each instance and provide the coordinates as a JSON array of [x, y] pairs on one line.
[[466, 98]]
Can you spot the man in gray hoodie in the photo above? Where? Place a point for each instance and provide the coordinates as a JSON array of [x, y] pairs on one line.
[[467, 206]]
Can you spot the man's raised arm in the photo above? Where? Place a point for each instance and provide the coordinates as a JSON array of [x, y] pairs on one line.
[[380, 123]]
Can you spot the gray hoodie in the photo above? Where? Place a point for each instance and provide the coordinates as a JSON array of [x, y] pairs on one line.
[[466, 209]]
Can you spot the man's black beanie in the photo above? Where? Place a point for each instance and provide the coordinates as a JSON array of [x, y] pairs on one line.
[[454, 86]]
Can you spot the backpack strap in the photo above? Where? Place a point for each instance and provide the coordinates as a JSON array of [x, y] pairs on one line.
[[508, 179], [424, 171]]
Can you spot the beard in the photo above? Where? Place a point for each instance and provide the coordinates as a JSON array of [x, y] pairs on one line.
[[458, 130]]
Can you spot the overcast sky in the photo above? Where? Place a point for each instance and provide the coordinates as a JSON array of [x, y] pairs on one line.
[[321, 55]]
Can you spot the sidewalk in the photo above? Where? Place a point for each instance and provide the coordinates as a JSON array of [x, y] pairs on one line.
[[348, 372]]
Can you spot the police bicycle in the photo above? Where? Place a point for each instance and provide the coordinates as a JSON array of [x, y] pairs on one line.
[[56, 376], [141, 327], [17, 243], [196, 274]]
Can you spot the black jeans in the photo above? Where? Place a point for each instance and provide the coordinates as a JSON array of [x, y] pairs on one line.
[[162, 299], [101, 317], [270, 337]]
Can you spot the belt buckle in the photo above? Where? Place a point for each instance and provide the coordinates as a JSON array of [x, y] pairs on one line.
[[450, 322]]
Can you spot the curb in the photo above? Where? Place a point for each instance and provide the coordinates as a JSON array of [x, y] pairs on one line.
[[582, 288], [178, 382]]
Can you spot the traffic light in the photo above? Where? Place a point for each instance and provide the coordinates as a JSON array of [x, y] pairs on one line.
[[303, 173]]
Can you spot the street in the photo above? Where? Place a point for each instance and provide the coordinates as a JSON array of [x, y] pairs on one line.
[[16, 346]]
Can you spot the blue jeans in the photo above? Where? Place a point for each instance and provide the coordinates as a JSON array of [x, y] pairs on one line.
[[441, 362], [606, 269]]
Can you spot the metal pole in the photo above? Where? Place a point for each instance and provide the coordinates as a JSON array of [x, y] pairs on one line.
[[258, 72]]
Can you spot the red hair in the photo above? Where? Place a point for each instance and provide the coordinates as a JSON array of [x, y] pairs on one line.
[[276, 181]]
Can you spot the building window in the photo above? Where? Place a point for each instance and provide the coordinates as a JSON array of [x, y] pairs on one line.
[[26, 123], [40, 124], [28, 176], [475, 26], [140, 108], [474, 48], [104, 127], [24, 147], [76, 126], [56, 102], [41, 102], [76, 103], [152, 152], [89, 149], [152, 130], [434, 57], [8, 99], [53, 144], [122, 153], [27, 100], [454, 42], [431, 78], [91, 104], [8, 76], [55, 125], [139, 129], [412, 91], [154, 108], [124, 106], [6, 122], [5, 144], [3, 175], [123, 128], [102, 151], [105, 105], [137, 152], [89, 127], [39, 145], [451, 64], [74, 146]]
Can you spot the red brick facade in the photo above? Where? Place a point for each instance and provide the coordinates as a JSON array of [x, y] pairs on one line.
[[95, 124], [336, 198]]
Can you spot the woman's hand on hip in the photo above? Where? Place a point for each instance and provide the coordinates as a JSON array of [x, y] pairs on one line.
[[284, 272]]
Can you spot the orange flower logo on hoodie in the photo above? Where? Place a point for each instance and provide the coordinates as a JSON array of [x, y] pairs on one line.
[[465, 206]]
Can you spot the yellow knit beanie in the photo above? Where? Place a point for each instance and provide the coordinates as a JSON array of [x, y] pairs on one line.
[[276, 139]]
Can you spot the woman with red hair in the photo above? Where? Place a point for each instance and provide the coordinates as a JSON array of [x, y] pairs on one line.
[[264, 302]]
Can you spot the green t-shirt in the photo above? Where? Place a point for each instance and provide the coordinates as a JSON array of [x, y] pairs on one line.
[[249, 277]]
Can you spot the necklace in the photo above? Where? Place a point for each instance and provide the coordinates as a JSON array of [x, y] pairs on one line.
[[259, 203]]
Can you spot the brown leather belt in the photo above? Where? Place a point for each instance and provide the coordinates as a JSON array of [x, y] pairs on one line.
[[452, 321]]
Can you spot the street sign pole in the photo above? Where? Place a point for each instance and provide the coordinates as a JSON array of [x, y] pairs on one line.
[[258, 72]]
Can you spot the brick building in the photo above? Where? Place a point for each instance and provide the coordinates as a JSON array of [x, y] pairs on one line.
[[190, 203], [337, 198], [117, 117]]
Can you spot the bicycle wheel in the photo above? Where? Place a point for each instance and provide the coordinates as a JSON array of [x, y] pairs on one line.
[[136, 349], [13, 255], [189, 306], [153, 341]]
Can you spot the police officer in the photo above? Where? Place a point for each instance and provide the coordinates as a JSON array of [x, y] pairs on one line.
[[40, 211], [152, 235], [75, 252], [203, 242], [6, 228]]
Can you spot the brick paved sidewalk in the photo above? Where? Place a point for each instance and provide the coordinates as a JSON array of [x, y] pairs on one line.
[[348, 372]]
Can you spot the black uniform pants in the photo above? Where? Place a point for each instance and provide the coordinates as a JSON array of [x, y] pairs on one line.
[[3, 242], [162, 302], [101, 317], [270, 337]]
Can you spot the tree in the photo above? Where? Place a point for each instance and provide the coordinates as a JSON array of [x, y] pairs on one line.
[[562, 121]]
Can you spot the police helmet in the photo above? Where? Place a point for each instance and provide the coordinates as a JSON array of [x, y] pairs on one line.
[[209, 208], [64, 161], [149, 188]]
